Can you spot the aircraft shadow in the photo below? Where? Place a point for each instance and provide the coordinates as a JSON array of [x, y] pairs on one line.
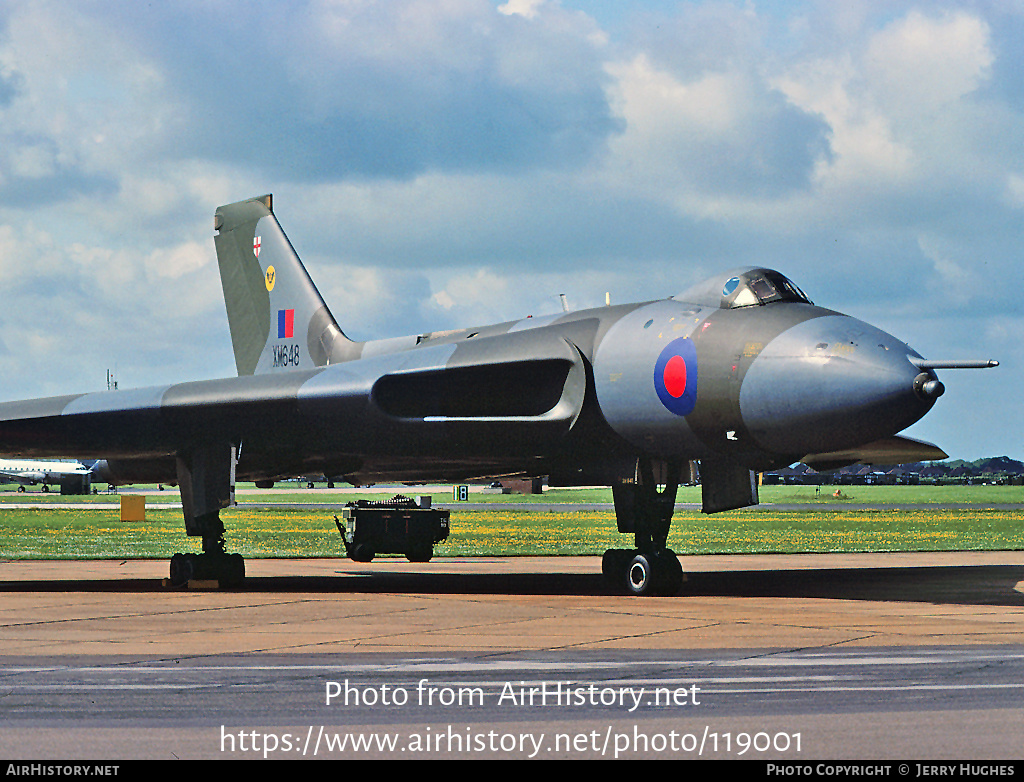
[[953, 585]]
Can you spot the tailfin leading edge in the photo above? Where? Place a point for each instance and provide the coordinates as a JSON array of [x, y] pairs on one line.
[[278, 319]]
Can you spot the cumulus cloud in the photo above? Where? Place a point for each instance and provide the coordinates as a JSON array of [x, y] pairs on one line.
[[372, 302], [312, 91], [920, 65], [897, 106], [477, 289], [527, 8], [718, 134]]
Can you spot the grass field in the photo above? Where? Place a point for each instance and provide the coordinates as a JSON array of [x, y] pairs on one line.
[[928, 495], [824, 526]]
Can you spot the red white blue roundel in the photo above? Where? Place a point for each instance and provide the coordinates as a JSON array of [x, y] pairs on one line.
[[675, 376]]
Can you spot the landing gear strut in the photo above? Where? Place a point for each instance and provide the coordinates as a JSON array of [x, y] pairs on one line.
[[651, 568], [206, 479]]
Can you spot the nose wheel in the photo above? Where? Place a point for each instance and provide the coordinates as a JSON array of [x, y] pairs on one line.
[[643, 573]]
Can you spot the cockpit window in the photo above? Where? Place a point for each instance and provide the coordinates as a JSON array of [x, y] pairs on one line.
[[760, 286], [743, 287]]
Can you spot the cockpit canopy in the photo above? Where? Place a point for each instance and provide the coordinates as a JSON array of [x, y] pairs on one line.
[[747, 287]]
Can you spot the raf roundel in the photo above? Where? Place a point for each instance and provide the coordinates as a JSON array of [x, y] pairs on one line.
[[675, 376]]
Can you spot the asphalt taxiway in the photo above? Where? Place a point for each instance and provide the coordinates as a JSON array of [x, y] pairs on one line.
[[797, 657], [513, 604]]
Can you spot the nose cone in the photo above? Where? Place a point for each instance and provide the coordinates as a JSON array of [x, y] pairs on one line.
[[833, 382]]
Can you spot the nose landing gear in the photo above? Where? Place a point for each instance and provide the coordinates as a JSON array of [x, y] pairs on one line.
[[651, 568]]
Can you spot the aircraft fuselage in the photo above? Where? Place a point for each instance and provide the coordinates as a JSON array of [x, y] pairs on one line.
[[667, 379]]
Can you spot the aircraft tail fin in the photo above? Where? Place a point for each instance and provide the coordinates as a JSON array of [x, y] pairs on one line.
[[278, 319]]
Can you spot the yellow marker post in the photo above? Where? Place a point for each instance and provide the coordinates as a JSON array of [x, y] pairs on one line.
[[133, 507]]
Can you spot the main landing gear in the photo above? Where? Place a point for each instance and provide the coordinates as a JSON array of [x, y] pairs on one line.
[[206, 477], [214, 564], [651, 568]]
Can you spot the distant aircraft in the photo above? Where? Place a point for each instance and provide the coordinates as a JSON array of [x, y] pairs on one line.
[[48, 473], [741, 373]]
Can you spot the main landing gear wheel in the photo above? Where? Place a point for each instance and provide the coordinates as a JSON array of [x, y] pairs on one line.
[[228, 569]]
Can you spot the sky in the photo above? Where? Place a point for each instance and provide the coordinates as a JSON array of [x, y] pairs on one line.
[[450, 163]]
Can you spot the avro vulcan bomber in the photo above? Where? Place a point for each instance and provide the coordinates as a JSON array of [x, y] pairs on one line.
[[739, 374]]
